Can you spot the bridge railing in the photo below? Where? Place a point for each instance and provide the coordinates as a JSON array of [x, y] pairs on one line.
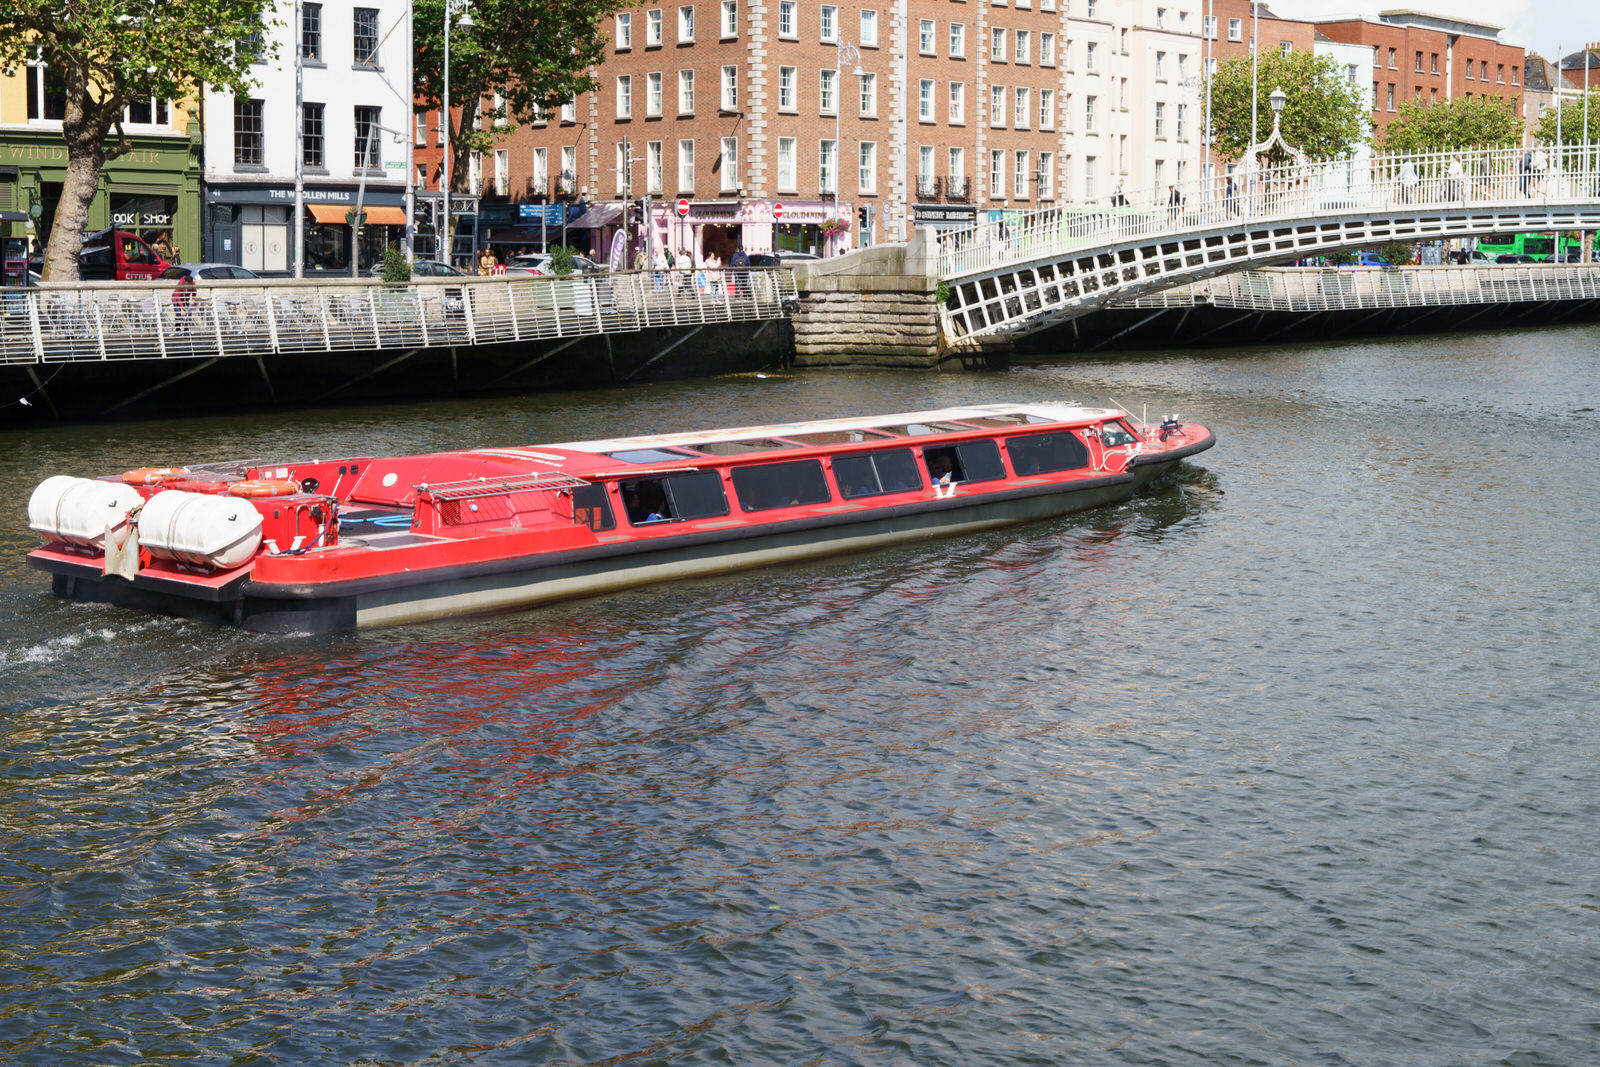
[[155, 320], [1295, 191], [1315, 289]]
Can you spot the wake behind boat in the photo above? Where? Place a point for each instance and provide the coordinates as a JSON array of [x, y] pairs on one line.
[[368, 541]]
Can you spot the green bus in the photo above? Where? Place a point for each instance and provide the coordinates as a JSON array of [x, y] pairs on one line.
[[1539, 246]]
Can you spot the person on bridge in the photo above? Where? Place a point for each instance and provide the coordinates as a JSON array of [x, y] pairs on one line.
[[1455, 186], [1174, 203], [741, 272], [1230, 197], [1408, 182]]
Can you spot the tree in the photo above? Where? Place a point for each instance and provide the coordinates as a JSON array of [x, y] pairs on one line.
[[1571, 122], [1326, 116], [1465, 122], [531, 57], [108, 54]]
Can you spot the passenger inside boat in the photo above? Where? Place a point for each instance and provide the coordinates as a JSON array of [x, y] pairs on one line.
[[943, 465]]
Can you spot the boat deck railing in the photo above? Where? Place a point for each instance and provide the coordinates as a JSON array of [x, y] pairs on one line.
[[160, 320], [539, 481]]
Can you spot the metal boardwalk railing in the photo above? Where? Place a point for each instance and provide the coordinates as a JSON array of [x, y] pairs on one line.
[[155, 320], [1024, 271]]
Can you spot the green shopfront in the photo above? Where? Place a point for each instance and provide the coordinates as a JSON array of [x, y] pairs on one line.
[[152, 189]]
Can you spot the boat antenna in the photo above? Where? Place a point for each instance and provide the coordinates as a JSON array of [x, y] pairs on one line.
[[1123, 409]]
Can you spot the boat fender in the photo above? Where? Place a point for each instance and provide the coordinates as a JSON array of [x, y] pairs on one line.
[[257, 487], [153, 475]]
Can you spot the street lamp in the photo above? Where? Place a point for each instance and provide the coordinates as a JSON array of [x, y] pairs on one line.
[[442, 253], [843, 54]]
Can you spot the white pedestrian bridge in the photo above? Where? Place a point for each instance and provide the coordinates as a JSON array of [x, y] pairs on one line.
[[1029, 271]]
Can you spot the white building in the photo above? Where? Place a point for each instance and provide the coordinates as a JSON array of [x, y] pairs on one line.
[[356, 75]]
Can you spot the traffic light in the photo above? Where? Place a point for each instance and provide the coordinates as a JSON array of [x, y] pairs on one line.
[[862, 217]]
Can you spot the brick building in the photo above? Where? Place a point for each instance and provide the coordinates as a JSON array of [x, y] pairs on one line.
[[1416, 56], [773, 119]]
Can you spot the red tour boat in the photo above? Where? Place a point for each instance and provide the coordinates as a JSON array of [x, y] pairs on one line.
[[367, 541]]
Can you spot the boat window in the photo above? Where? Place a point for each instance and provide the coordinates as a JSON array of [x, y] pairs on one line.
[[971, 461], [674, 497], [921, 429], [891, 470], [836, 437], [1044, 453], [735, 448], [1116, 434], [648, 455], [591, 508], [763, 486], [1018, 418]]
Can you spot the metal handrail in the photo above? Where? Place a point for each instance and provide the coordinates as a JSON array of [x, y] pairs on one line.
[[157, 320], [540, 481]]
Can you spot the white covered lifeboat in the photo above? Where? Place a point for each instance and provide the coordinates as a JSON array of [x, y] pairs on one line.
[[200, 529]]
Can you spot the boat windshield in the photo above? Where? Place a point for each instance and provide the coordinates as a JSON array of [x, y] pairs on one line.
[[1014, 419], [735, 448], [649, 455]]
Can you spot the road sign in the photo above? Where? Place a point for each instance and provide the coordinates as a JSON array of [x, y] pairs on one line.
[[683, 208], [777, 211]]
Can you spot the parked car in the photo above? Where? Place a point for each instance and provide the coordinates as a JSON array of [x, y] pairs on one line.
[[1370, 259], [190, 273], [539, 263], [1512, 257], [423, 268]]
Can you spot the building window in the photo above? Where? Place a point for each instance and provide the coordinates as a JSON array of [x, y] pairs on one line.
[[1419, 62], [786, 96], [1021, 109], [624, 32], [867, 173], [786, 23], [421, 136], [925, 100], [687, 165], [1161, 121], [311, 32], [925, 37], [997, 106], [502, 171], [541, 172], [1389, 103], [1066, 112], [1235, 33], [652, 94], [367, 147], [730, 18], [730, 88], [311, 133], [1161, 18], [686, 24], [869, 95], [827, 176], [925, 170], [366, 37], [1285, 47], [1021, 52], [625, 96], [1047, 188], [827, 96], [569, 111], [1089, 9], [786, 179], [1433, 63], [652, 167], [1088, 177], [146, 112], [686, 92], [247, 131], [1089, 50], [1182, 115], [958, 103], [1208, 27], [828, 23], [730, 164], [569, 168], [958, 163], [869, 29], [1047, 109], [1500, 74], [1088, 114], [652, 28], [997, 163], [997, 44], [1047, 49], [1161, 66], [958, 40]]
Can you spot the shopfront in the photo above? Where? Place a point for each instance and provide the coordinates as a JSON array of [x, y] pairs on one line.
[[252, 226], [721, 227], [152, 189]]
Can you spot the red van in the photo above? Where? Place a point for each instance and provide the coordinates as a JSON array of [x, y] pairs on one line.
[[117, 255]]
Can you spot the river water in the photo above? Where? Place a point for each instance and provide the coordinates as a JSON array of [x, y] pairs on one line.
[[1293, 760]]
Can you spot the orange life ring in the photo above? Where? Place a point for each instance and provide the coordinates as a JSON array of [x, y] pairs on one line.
[[264, 487], [152, 475]]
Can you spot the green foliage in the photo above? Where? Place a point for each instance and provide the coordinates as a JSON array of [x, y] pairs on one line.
[[1325, 115], [109, 54], [561, 259], [534, 57], [1340, 259], [1465, 122], [1398, 255], [396, 268], [942, 293], [1571, 122]]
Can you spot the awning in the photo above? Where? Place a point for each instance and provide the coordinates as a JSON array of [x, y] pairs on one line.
[[597, 216], [376, 216]]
